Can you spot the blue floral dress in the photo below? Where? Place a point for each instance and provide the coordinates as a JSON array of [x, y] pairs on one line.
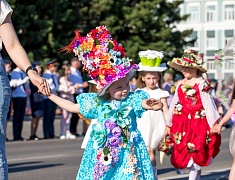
[[115, 149]]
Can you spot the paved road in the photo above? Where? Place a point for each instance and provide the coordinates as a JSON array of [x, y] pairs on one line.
[[59, 159]]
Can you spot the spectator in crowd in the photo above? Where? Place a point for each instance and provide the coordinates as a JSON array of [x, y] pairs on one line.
[[66, 90], [132, 84], [19, 82], [168, 82], [49, 107], [76, 78], [7, 65], [36, 102]]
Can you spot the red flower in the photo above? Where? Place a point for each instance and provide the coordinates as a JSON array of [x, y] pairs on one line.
[[188, 60], [206, 88], [120, 49]]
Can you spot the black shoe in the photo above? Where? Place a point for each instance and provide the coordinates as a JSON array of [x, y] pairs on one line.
[[34, 137], [19, 139]]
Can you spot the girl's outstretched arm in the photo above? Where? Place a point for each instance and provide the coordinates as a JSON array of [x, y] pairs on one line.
[[65, 104], [217, 128]]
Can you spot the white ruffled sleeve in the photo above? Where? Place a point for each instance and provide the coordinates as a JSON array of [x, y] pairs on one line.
[[165, 94], [171, 108], [208, 103], [5, 9]]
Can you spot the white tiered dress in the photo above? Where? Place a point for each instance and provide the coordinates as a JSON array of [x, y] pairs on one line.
[[152, 124]]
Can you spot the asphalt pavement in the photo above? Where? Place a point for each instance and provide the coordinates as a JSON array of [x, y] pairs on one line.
[[60, 159]]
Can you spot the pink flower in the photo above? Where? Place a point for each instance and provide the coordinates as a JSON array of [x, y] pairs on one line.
[[217, 57]]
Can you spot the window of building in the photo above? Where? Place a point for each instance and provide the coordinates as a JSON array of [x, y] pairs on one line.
[[229, 64], [229, 12], [210, 64], [228, 34], [194, 14], [228, 75], [210, 16], [210, 40]]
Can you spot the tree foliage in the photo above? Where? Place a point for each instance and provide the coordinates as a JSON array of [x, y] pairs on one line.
[[44, 27]]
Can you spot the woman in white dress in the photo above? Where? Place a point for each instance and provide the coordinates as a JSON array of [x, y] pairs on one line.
[[152, 123]]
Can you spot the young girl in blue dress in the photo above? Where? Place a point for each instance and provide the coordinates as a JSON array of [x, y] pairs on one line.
[[115, 149]]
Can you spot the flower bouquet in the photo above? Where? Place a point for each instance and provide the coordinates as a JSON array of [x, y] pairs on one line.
[[166, 145]]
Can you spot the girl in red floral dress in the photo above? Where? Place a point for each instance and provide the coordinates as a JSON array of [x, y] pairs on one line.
[[191, 116]]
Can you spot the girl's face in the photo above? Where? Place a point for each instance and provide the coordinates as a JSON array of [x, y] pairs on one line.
[[189, 72], [119, 89], [151, 80]]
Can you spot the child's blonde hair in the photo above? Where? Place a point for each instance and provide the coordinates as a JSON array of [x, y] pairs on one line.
[[141, 84]]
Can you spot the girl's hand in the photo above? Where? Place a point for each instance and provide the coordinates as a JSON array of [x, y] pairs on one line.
[[216, 128], [167, 131], [151, 104]]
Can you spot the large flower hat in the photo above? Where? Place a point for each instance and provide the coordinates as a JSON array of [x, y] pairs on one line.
[[102, 57], [190, 58]]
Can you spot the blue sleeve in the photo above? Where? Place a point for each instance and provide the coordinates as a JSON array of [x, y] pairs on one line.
[[135, 99], [88, 103]]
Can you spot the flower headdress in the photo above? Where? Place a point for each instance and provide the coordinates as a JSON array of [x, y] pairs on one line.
[[189, 59], [102, 56], [151, 61]]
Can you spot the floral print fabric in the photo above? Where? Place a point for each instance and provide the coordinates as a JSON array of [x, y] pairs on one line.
[[115, 149]]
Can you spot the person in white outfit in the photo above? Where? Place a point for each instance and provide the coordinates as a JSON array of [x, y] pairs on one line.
[[152, 124]]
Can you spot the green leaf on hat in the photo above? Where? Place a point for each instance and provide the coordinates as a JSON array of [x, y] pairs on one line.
[[110, 46], [97, 42]]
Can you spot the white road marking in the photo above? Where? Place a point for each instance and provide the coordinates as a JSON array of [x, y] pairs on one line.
[[38, 157]]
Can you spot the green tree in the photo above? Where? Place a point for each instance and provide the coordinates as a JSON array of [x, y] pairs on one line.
[[44, 27], [139, 24]]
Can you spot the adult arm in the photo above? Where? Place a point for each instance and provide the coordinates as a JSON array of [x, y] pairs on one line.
[[18, 54]]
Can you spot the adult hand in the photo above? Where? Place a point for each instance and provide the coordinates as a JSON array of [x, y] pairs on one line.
[[40, 82]]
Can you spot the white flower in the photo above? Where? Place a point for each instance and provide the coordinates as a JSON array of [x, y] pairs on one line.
[[196, 115], [189, 116], [106, 159], [131, 169], [178, 107], [183, 133], [203, 113], [199, 61], [125, 170], [191, 92]]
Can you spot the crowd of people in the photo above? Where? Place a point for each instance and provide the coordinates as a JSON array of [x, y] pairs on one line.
[[68, 84]]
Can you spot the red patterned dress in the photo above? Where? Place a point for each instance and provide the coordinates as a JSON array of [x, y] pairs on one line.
[[190, 130]]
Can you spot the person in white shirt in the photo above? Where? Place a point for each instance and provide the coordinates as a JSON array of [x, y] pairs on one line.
[[49, 107], [19, 81], [76, 78]]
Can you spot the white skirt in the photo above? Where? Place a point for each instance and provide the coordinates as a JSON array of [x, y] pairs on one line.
[[88, 133], [152, 127]]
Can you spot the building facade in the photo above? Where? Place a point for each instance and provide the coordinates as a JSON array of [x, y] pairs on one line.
[[213, 24]]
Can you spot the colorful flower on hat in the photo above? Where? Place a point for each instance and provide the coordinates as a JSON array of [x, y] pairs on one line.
[[102, 56]]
